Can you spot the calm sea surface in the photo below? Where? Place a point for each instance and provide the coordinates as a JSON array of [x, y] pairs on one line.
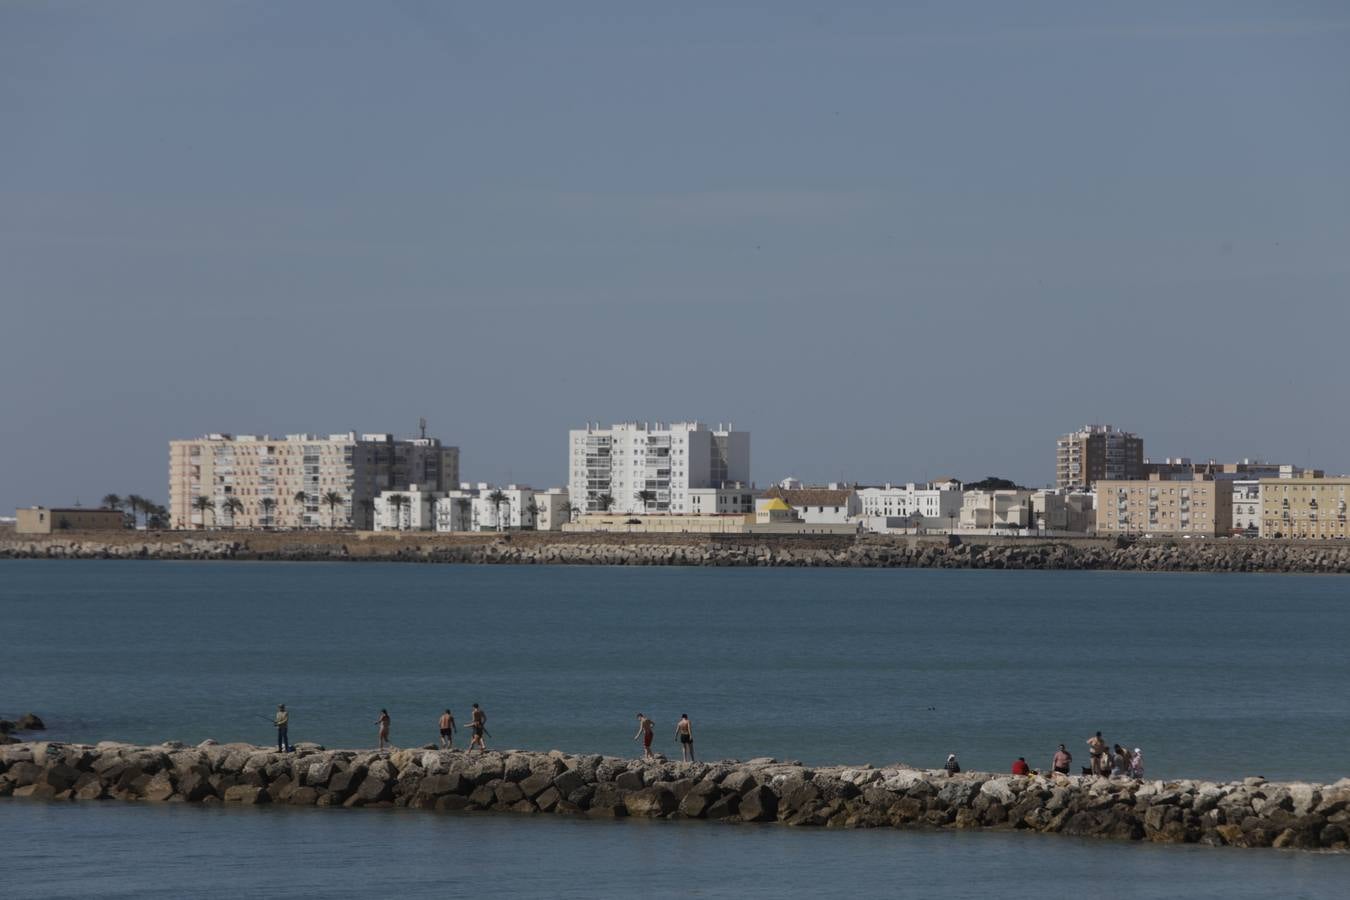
[[1214, 676]]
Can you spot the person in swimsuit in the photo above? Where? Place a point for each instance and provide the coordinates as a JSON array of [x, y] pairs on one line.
[[383, 722], [447, 730], [1061, 761], [1101, 765], [685, 732], [646, 728], [477, 728]]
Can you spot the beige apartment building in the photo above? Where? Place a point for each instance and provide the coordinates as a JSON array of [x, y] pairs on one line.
[[1095, 453], [282, 482], [1308, 508], [1199, 507]]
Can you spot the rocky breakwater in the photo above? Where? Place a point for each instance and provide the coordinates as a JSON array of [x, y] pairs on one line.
[[1250, 813]]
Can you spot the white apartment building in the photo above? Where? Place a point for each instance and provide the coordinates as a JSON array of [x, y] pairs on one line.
[[930, 505], [1063, 512], [553, 509], [410, 510], [258, 481], [650, 467], [480, 507]]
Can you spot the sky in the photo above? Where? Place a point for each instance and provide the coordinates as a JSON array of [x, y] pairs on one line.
[[894, 241]]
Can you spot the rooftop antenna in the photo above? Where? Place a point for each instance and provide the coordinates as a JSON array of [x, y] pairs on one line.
[[422, 424]]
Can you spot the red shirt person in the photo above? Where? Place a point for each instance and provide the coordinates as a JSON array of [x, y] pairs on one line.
[[1020, 767]]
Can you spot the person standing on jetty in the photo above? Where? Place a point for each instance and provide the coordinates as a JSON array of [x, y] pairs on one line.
[[477, 728], [684, 732], [1061, 761], [646, 730], [383, 722], [1101, 765], [282, 722], [447, 730]]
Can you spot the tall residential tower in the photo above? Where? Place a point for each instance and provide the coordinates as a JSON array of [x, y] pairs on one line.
[[650, 466], [1095, 453]]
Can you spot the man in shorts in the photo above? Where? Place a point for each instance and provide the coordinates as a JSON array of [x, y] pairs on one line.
[[477, 728], [447, 730]]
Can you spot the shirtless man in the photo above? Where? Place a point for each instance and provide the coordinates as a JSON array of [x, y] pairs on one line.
[[1061, 761], [684, 732], [1097, 747], [447, 730], [646, 728], [477, 728]]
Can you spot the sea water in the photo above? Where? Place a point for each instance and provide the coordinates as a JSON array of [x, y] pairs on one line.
[[1215, 676]]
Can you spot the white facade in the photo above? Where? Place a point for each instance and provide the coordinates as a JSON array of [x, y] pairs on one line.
[[553, 509], [724, 501], [1072, 512], [933, 505], [651, 467], [410, 510], [1247, 506], [836, 504], [995, 509]]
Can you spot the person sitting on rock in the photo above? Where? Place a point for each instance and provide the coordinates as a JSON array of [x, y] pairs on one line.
[[1020, 767], [952, 766], [1120, 763]]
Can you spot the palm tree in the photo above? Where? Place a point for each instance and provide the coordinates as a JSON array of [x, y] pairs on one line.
[[135, 503], [112, 501], [267, 504], [569, 510], [645, 497], [201, 504], [332, 498], [497, 498], [156, 517], [605, 501], [368, 505], [533, 509], [234, 506], [397, 501], [300, 498]]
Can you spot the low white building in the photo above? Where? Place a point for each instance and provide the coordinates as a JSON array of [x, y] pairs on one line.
[[1063, 512], [553, 510], [995, 510], [734, 500], [928, 506], [411, 510], [834, 505]]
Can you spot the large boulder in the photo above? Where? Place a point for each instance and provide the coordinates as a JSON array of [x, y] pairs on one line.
[[651, 802], [759, 804], [246, 794], [29, 722]]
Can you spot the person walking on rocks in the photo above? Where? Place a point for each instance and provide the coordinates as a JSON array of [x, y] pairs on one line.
[[952, 766], [1062, 760], [1101, 764], [447, 730], [646, 730], [383, 722], [684, 732], [477, 728], [282, 721]]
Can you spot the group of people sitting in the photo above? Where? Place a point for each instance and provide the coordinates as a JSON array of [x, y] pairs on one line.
[[1112, 762]]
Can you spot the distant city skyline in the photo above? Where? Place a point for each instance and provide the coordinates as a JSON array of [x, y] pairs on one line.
[[894, 242]]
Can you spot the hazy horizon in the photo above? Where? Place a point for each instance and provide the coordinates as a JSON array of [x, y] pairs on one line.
[[892, 241]]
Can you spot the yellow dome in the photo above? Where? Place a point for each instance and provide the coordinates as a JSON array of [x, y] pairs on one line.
[[777, 505]]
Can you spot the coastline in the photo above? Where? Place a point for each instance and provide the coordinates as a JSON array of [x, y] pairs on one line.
[[825, 551], [1248, 813]]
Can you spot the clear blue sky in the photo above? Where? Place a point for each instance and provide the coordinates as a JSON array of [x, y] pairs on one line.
[[893, 240]]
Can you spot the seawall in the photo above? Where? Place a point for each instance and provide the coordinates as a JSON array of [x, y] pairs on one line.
[[543, 548], [1250, 813]]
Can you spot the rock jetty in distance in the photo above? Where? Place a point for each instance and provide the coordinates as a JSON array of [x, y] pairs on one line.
[[1248, 813]]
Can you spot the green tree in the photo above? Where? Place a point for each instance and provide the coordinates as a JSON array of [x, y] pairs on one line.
[[645, 497], [368, 505], [112, 501], [300, 498], [497, 498], [397, 501], [605, 501], [533, 509], [234, 506], [268, 505], [333, 499], [135, 503], [568, 509], [201, 504]]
